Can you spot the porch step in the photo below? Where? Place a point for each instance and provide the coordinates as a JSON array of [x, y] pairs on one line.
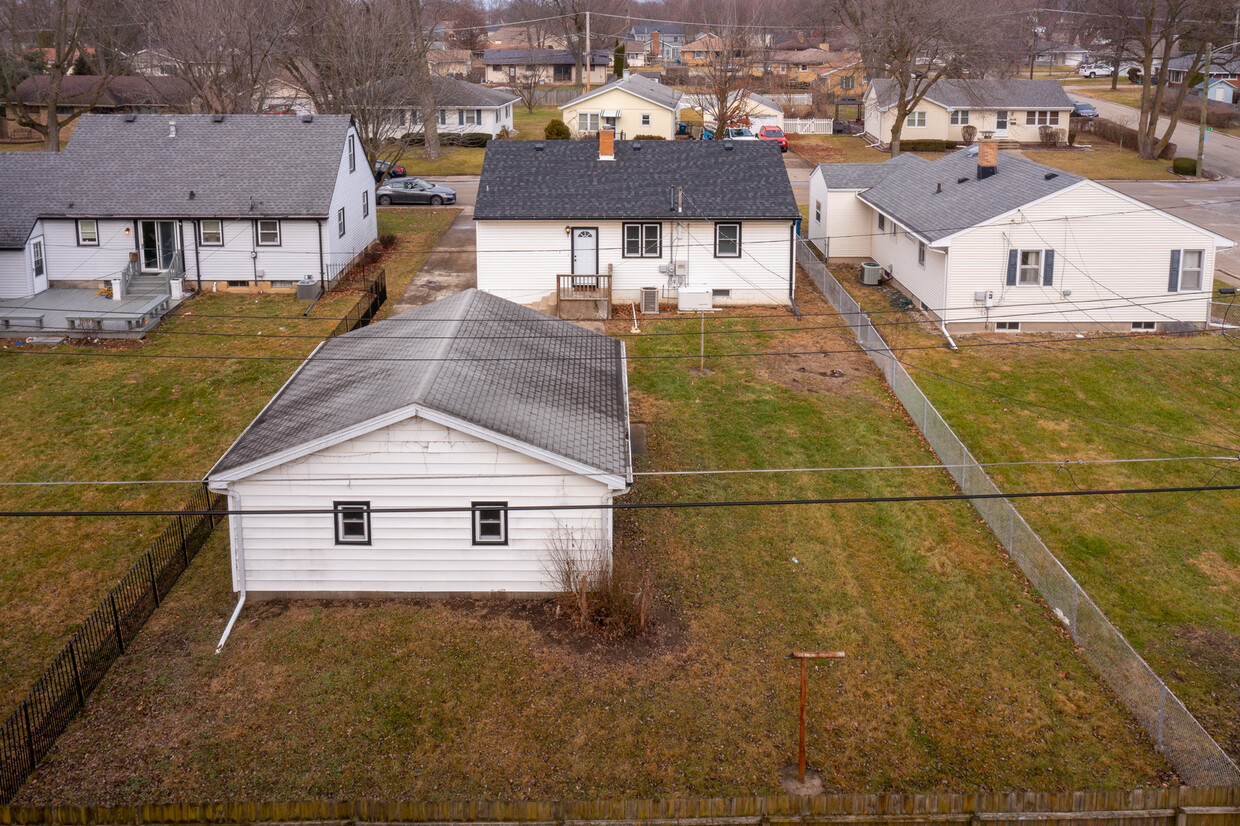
[[546, 304], [141, 285]]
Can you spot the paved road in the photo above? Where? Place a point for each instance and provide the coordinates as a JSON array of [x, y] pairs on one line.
[[1222, 151], [1214, 205]]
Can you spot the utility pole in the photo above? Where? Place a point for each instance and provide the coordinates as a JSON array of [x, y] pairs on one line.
[[588, 51], [803, 656], [1201, 127]]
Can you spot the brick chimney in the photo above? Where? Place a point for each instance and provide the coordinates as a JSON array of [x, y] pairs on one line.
[[987, 158], [606, 145], [655, 44]]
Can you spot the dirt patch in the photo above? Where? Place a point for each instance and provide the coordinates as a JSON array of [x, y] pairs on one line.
[[1226, 576]]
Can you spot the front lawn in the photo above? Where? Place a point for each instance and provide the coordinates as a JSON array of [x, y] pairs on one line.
[[957, 676], [455, 160], [1103, 161], [112, 411], [835, 149], [531, 126], [1164, 568]]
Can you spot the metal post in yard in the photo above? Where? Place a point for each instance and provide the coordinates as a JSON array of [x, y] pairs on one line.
[[77, 676], [702, 346], [803, 656], [1162, 712], [1076, 597], [29, 733], [150, 567], [116, 622]]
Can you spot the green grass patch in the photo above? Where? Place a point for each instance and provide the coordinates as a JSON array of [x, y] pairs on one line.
[[1103, 161], [1164, 568], [530, 126], [957, 677], [419, 230]]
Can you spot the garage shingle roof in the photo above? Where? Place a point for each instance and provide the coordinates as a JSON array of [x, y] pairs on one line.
[[476, 357], [566, 180], [864, 175]]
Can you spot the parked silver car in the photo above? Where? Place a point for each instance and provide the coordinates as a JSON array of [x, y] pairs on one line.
[[414, 191]]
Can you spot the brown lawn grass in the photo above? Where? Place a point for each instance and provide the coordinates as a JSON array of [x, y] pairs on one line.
[[113, 411], [1103, 161], [834, 149], [957, 677], [1162, 567], [418, 230]]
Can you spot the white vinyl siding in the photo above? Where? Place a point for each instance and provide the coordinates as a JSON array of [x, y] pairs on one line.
[[410, 552], [88, 232], [339, 251]]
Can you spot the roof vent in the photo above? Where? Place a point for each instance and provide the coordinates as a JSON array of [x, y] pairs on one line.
[[217, 118], [1051, 175], [538, 147], [637, 146], [961, 180], [191, 195], [727, 146], [130, 118], [939, 189], [307, 118], [172, 129]]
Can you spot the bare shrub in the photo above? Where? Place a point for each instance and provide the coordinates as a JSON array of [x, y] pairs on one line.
[[1049, 136], [968, 134], [388, 240], [607, 590]]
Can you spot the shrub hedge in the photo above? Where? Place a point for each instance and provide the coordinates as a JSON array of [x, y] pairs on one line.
[[1184, 166], [557, 130], [649, 138]]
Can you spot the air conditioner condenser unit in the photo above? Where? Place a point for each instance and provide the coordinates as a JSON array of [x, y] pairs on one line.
[[650, 300]]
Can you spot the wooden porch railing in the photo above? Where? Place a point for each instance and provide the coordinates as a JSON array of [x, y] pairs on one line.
[[583, 296]]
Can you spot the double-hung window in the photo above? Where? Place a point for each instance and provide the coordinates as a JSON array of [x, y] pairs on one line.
[[340, 221], [211, 232], [915, 120], [645, 118], [352, 154], [727, 240], [960, 117], [365, 202], [1030, 270], [268, 233], [1191, 270], [88, 232], [1041, 117], [643, 240], [882, 222], [587, 121], [921, 253], [818, 211], [352, 523], [490, 523]]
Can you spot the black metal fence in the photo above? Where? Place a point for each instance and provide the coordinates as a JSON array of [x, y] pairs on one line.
[[58, 695], [363, 312]]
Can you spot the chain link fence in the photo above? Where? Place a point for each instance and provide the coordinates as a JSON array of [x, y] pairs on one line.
[[1177, 734]]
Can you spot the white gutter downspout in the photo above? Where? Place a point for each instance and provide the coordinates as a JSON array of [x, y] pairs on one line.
[[234, 528], [951, 342]]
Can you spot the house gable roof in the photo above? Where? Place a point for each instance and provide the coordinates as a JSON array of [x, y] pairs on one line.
[[540, 57], [237, 167], [24, 179], [981, 94], [565, 180], [910, 195], [108, 92], [638, 86], [448, 91], [864, 175], [475, 358]]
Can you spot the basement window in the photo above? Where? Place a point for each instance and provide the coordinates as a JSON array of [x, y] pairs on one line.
[[1011, 326], [724, 294], [1146, 326], [490, 523], [352, 523]]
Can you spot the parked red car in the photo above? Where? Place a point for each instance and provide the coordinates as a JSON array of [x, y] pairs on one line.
[[774, 133]]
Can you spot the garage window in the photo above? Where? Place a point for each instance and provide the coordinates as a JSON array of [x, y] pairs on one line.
[[490, 523], [352, 523]]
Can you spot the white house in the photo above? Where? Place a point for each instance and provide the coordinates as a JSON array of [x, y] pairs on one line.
[[463, 107], [629, 106], [712, 216], [754, 112], [987, 241], [229, 207], [1012, 110], [470, 434]]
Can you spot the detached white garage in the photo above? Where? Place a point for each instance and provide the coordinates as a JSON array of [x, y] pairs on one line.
[[399, 457]]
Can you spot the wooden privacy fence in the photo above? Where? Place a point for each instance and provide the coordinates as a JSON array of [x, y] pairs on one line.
[[363, 312], [58, 695], [1178, 806]]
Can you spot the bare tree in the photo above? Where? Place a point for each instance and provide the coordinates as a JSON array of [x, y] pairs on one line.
[[1154, 31], [528, 85]]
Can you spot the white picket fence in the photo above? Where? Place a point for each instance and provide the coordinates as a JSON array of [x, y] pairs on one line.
[[793, 98], [808, 126]]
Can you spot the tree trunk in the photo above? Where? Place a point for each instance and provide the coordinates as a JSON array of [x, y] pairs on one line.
[[430, 114], [51, 141], [897, 129]]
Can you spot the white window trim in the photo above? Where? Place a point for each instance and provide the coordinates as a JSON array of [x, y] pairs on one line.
[[913, 116], [1021, 266], [202, 236], [365, 203], [739, 236], [476, 521], [82, 242], [340, 222], [645, 118], [959, 117], [274, 243], [642, 226], [352, 154], [817, 211], [1200, 270]]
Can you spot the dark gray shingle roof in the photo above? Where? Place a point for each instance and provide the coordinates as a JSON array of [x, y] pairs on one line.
[[566, 180], [448, 91], [24, 181], [864, 175], [243, 166], [910, 194], [643, 87], [983, 94], [540, 57], [488, 361]]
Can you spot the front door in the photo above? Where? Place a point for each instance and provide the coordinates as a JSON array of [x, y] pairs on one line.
[[159, 244], [1001, 123], [585, 255]]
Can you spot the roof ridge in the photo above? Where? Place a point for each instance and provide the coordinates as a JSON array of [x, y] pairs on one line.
[[441, 350]]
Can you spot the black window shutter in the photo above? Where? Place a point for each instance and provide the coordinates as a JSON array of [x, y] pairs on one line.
[[1048, 268], [1173, 283], [1013, 255]]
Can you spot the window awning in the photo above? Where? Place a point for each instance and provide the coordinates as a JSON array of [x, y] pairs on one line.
[[610, 113]]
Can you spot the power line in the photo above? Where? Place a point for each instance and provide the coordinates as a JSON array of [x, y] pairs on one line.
[[613, 506]]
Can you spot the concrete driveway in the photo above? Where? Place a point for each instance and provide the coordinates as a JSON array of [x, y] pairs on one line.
[[799, 171], [453, 265], [1222, 154]]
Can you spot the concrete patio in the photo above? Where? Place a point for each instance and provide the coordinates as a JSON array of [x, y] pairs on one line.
[[81, 313]]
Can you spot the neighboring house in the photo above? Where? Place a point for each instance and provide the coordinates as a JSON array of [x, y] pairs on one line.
[[1221, 90], [662, 41], [1053, 53], [663, 214], [635, 56], [229, 211], [631, 106], [550, 66], [702, 51], [1224, 66], [450, 62], [153, 62], [471, 404], [843, 75], [94, 93], [1012, 110], [758, 110], [798, 66], [983, 240], [286, 96], [521, 37], [463, 107]]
